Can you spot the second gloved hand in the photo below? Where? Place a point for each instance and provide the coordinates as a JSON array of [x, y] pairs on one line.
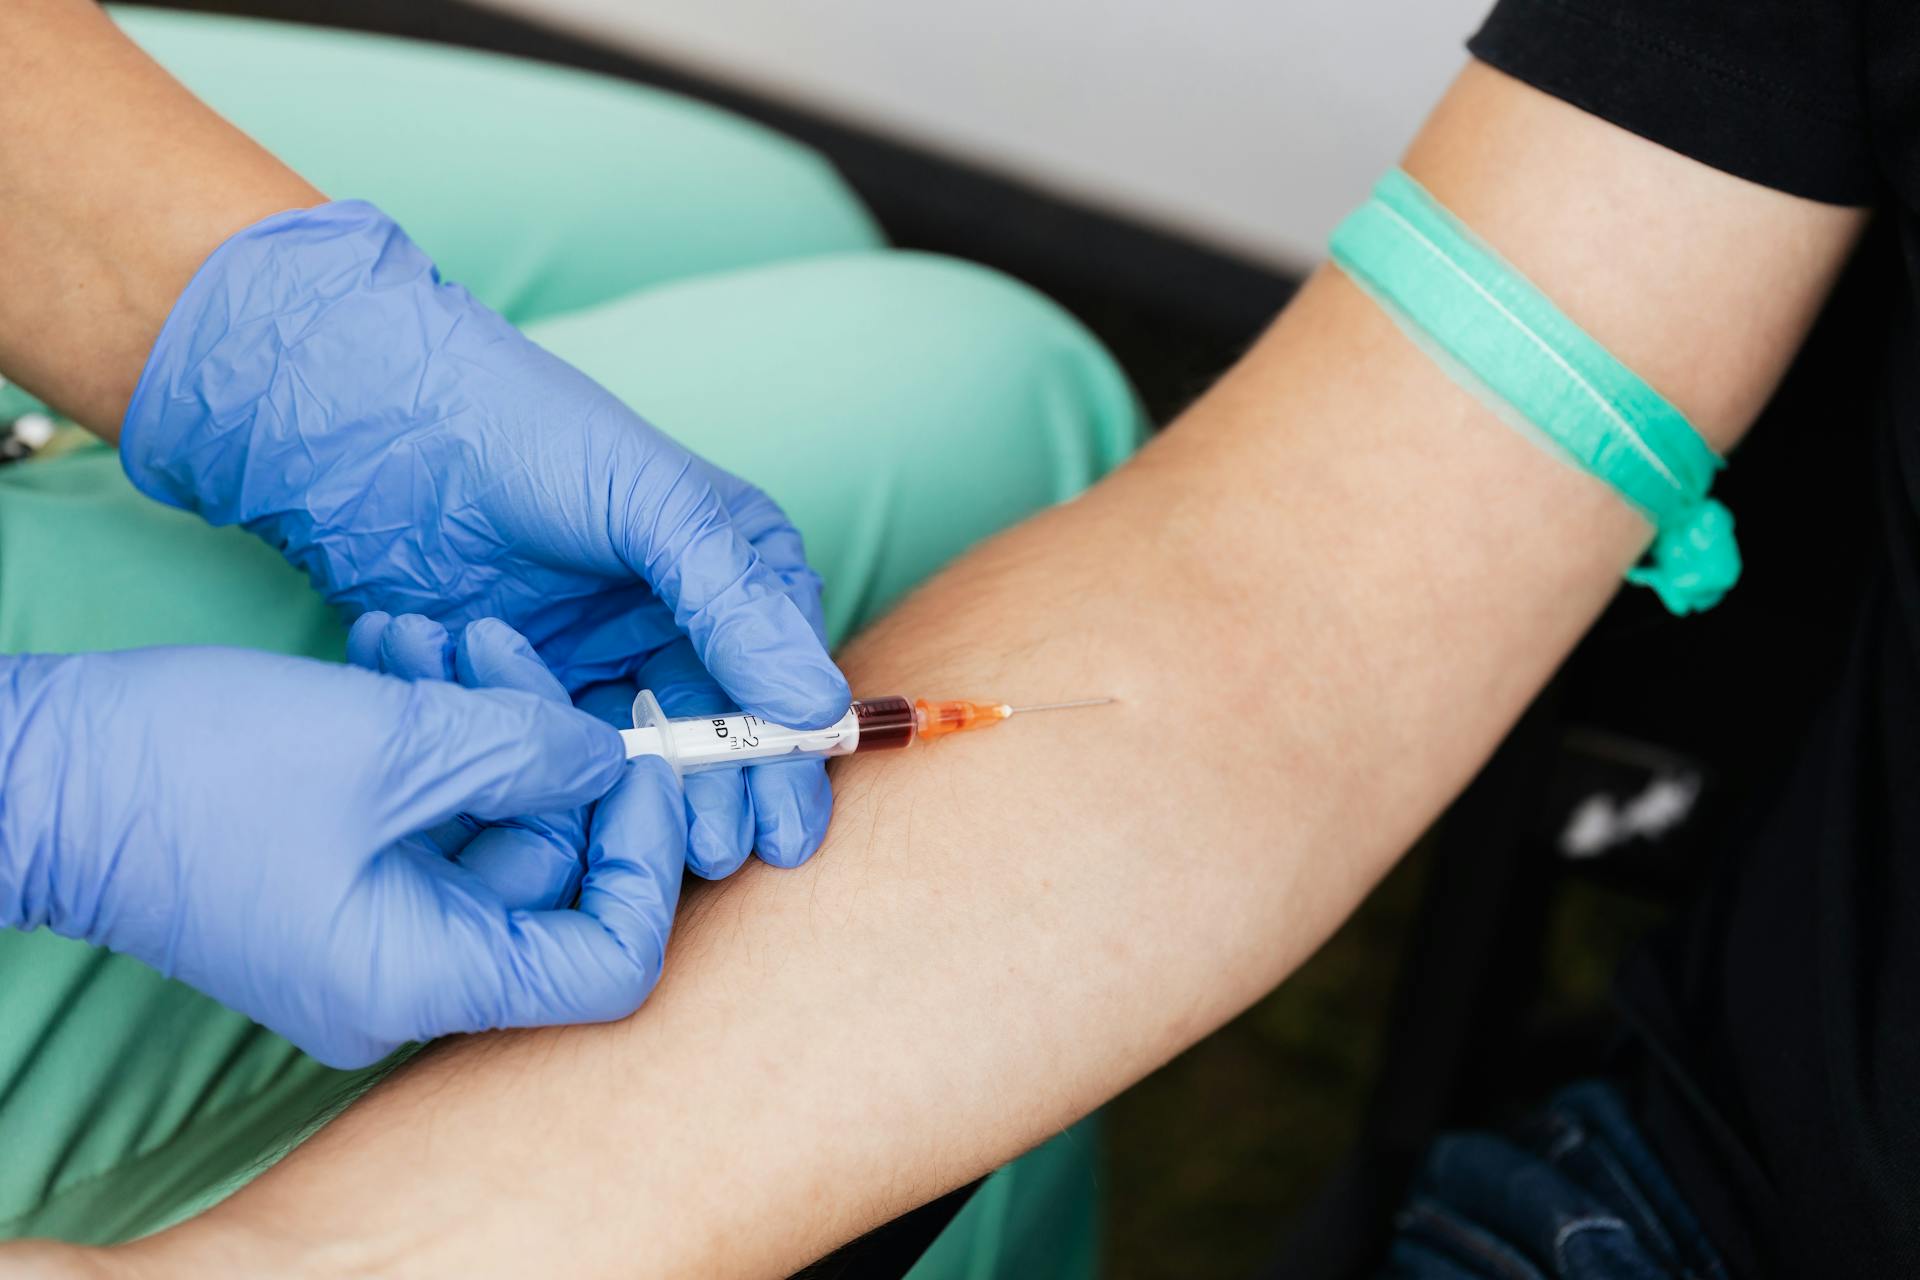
[[414, 453], [338, 854]]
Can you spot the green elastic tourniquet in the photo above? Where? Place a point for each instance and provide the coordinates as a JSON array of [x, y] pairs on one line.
[[1436, 276]]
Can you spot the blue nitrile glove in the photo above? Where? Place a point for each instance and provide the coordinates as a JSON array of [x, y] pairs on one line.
[[417, 647], [414, 453], [285, 835]]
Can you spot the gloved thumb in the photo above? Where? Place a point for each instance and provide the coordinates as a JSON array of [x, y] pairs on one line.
[[749, 635], [491, 754]]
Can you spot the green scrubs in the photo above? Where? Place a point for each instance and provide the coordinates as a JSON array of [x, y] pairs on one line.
[[725, 283]]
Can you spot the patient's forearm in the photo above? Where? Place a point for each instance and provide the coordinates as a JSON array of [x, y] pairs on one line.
[[1003, 932], [1320, 600]]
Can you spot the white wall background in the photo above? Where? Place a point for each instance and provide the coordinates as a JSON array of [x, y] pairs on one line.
[[1251, 123]]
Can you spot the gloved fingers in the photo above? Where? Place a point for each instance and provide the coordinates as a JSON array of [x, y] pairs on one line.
[[719, 818], [344, 1049], [531, 866], [492, 754], [412, 648], [635, 855], [781, 550], [492, 655], [452, 955], [529, 862], [488, 654], [774, 537], [719, 815], [792, 802], [532, 863], [598, 961], [416, 648], [758, 645], [363, 638], [777, 810], [443, 841]]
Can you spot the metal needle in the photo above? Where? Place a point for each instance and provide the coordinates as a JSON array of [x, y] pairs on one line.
[[1061, 706]]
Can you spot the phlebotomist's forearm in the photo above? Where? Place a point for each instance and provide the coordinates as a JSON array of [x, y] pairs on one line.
[[108, 203]]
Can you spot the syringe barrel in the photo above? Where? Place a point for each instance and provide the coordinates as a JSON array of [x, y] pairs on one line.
[[695, 744]]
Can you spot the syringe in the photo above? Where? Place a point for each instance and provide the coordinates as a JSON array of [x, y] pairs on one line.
[[697, 743]]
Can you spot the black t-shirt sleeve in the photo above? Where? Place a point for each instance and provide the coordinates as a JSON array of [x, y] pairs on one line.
[[1768, 90]]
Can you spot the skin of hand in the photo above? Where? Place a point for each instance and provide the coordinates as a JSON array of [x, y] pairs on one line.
[[1321, 597], [618, 553], [111, 202]]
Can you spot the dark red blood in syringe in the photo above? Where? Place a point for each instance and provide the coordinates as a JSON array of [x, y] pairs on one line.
[[885, 723]]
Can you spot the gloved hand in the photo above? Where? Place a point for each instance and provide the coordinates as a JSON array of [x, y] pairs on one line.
[[322, 848], [414, 453], [526, 872]]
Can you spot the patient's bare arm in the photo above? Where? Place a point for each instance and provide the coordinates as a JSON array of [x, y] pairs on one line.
[[1337, 558]]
